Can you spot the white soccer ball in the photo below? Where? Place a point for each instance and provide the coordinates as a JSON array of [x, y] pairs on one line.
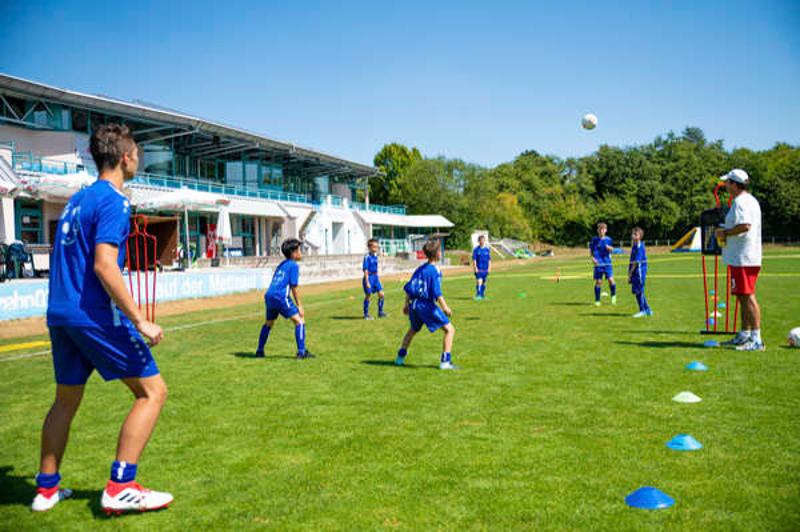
[[589, 121], [794, 337]]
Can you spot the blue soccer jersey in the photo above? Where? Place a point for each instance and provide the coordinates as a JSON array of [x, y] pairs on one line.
[[638, 264], [370, 264], [638, 257], [287, 276], [598, 249], [425, 284], [482, 256], [99, 214]]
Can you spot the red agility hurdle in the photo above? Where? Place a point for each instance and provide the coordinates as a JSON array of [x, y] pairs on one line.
[[710, 221], [144, 248]]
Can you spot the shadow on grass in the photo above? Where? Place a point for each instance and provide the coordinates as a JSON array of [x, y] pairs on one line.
[[250, 354], [471, 318], [388, 363], [645, 331], [352, 318], [569, 304], [604, 314], [663, 345], [19, 490]]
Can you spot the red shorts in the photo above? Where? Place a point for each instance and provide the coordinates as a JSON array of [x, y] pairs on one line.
[[743, 279]]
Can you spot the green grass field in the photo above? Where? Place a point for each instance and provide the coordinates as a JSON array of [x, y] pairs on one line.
[[559, 411]]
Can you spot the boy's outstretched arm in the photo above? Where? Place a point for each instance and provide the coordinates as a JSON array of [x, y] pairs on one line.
[[296, 296], [443, 304]]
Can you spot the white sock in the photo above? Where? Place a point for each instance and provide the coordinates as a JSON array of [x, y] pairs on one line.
[[745, 333], [756, 335]]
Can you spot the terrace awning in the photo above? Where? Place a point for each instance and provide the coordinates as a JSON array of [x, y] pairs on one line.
[[59, 187], [404, 220], [256, 208]]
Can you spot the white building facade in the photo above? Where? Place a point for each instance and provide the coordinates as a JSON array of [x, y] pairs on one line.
[[190, 169]]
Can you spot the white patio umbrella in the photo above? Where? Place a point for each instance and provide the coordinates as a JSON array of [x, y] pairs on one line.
[[224, 234], [184, 199], [56, 186]]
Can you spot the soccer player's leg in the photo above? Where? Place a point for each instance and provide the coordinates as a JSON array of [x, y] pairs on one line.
[[637, 289], [415, 324], [446, 361], [291, 312], [598, 284], [377, 288], [271, 315], [612, 284], [367, 296], [72, 370], [120, 353], [484, 277], [435, 319]]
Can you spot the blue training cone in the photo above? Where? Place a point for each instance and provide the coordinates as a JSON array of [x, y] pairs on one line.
[[721, 305], [696, 366], [711, 292], [684, 442], [649, 498], [711, 343]]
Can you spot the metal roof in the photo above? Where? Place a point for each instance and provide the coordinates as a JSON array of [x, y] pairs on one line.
[[236, 139]]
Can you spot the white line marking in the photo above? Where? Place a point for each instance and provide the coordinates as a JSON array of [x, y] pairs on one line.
[[175, 328]]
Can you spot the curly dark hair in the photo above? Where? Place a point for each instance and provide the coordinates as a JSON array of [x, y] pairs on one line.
[[109, 143]]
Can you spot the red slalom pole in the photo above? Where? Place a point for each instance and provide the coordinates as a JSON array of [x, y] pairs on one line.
[[146, 279], [735, 314], [705, 289], [716, 289], [155, 273], [727, 297]]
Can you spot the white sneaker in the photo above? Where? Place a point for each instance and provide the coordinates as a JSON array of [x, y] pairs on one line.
[[640, 314], [47, 498], [447, 365], [739, 339], [751, 345], [121, 497]]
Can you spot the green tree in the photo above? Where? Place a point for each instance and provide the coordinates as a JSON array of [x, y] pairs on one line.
[[392, 160]]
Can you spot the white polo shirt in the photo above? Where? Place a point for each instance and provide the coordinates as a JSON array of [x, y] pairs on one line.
[[743, 249]]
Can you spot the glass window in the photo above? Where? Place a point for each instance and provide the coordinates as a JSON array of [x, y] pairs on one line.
[[157, 159], [251, 175], [234, 173], [80, 120]]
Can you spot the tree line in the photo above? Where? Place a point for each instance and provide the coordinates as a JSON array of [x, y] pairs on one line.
[[661, 186]]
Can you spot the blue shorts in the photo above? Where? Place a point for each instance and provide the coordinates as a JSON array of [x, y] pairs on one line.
[[115, 352], [375, 285], [481, 275], [284, 307], [423, 312], [603, 271], [637, 282]]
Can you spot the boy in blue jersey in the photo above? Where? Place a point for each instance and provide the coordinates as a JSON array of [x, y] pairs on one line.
[[600, 249], [371, 283], [423, 292], [481, 266], [637, 272], [277, 299], [95, 325]]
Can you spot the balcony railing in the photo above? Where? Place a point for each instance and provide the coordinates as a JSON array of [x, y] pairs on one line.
[[27, 161], [388, 209]]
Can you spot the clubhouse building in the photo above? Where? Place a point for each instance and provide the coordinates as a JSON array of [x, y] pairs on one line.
[[192, 172]]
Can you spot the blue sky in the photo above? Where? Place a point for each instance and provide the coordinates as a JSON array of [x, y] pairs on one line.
[[481, 81]]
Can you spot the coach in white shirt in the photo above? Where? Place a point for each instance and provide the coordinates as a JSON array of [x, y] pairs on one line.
[[742, 252]]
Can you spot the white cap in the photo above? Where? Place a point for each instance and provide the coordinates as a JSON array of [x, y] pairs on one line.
[[738, 175]]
